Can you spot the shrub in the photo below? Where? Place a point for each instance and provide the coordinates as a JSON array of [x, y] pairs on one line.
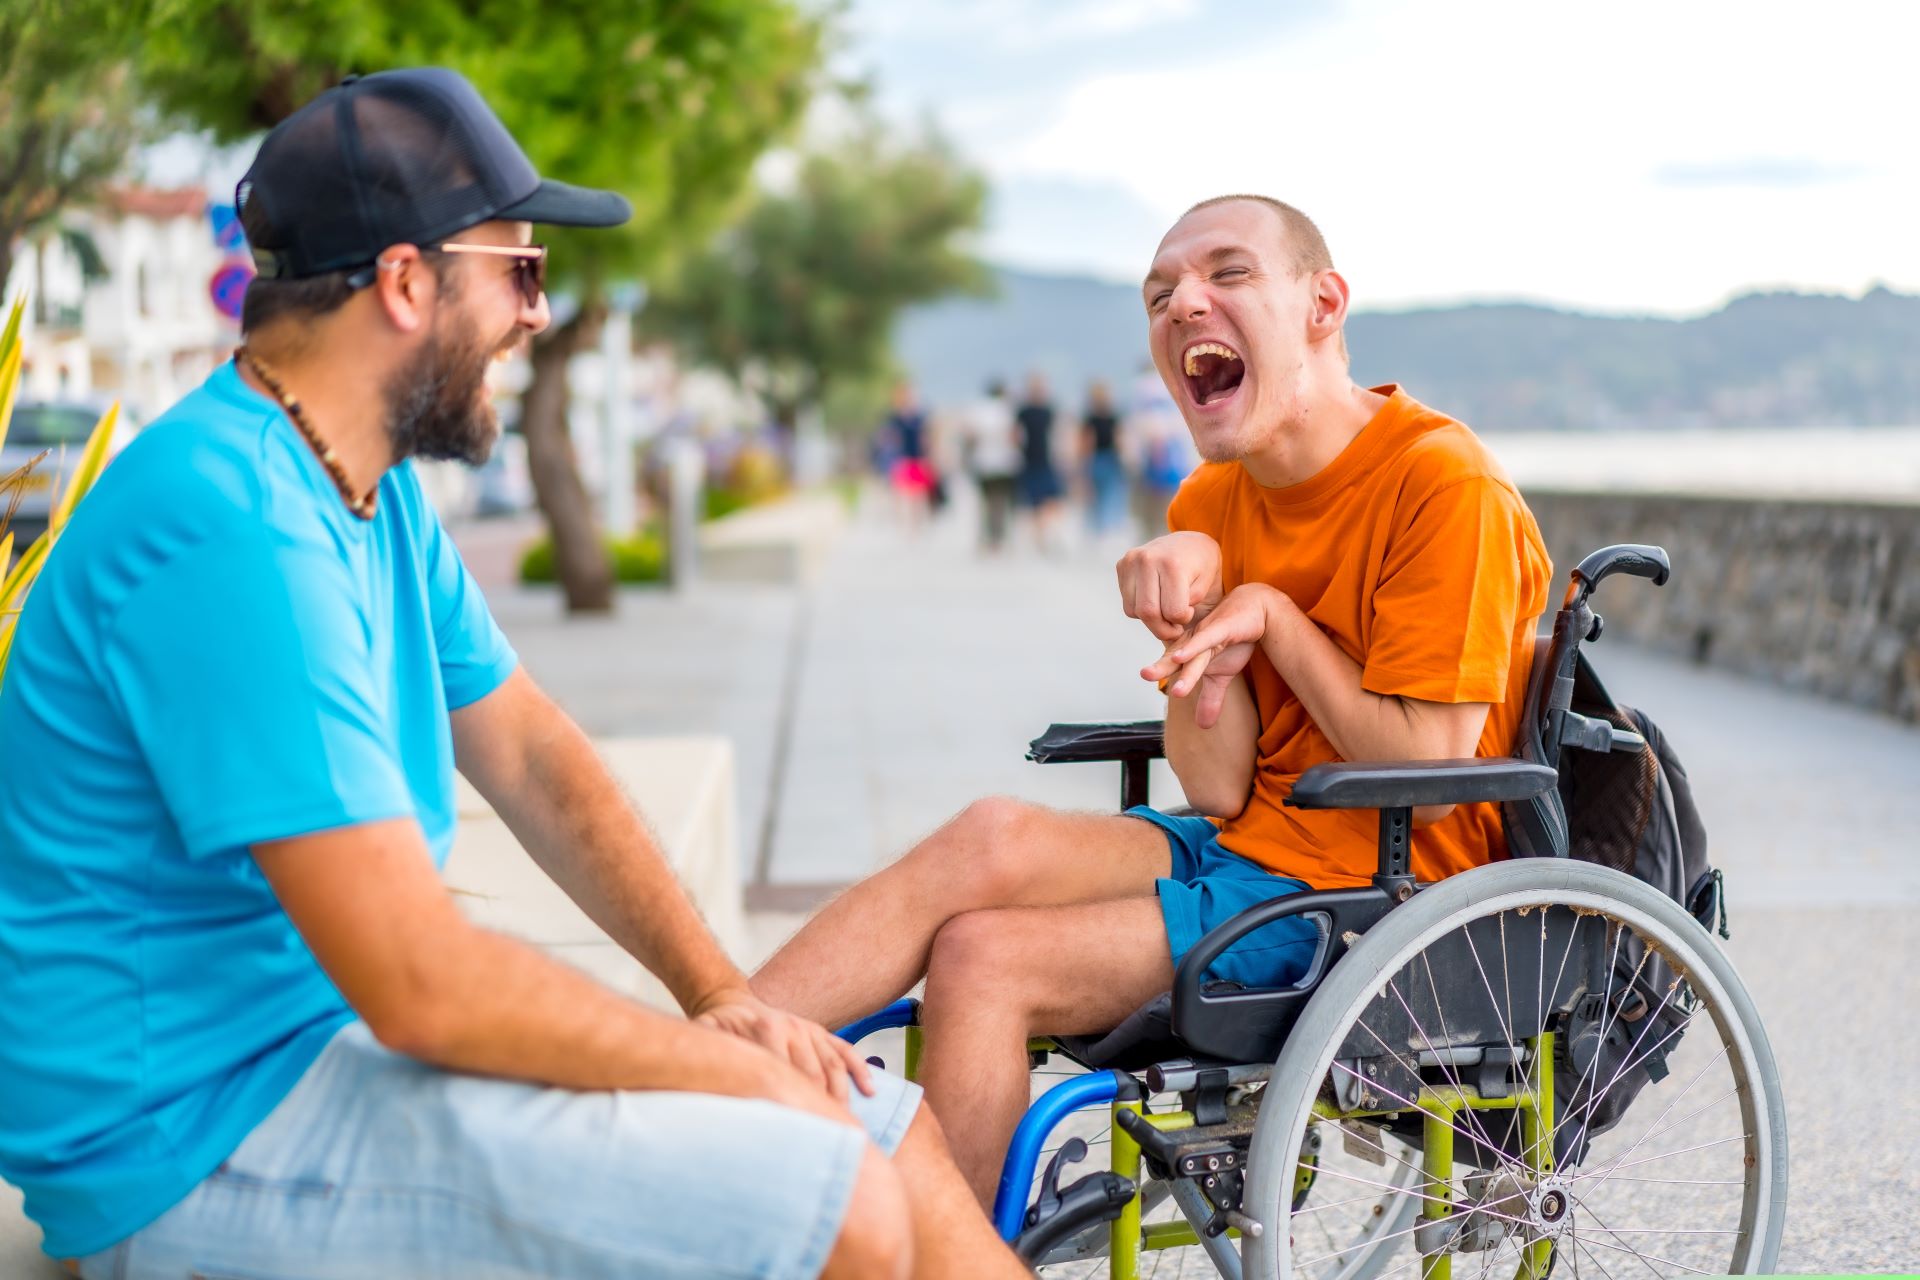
[[641, 557]]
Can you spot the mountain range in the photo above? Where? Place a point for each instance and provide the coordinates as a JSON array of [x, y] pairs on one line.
[[1763, 359]]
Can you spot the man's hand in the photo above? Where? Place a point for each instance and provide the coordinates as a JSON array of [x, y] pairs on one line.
[[1171, 583], [818, 1054], [1209, 656]]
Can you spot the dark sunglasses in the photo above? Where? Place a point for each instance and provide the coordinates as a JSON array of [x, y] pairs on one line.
[[529, 264]]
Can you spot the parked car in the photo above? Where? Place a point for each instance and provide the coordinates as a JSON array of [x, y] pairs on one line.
[[58, 428]]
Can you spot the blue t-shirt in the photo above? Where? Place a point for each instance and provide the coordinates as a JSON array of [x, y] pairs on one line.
[[218, 653]]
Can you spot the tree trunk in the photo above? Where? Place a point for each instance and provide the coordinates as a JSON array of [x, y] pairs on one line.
[[6, 266], [786, 430], [580, 555]]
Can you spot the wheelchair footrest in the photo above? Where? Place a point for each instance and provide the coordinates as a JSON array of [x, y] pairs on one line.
[[1098, 1197]]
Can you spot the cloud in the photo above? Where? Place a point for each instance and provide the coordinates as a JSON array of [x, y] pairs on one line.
[[1757, 171], [1651, 156]]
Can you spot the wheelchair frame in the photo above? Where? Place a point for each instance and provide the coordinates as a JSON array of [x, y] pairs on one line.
[[1244, 1027]]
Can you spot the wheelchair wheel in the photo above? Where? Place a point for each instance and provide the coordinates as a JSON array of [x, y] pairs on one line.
[[1560, 1066]]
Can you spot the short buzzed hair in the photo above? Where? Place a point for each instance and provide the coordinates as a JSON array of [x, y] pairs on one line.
[[1309, 246]]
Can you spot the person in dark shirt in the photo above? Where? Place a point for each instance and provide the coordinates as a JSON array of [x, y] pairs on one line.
[[1106, 477], [1040, 487], [912, 472]]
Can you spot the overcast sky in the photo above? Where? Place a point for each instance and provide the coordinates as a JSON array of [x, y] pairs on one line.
[[1621, 156]]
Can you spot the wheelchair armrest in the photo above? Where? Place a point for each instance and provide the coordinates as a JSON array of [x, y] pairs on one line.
[[1407, 784], [1249, 1026], [1080, 743]]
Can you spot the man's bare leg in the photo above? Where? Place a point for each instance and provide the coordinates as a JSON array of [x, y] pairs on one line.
[[999, 976], [951, 1236], [870, 945]]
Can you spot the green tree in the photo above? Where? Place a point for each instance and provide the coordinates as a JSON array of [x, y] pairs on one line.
[[669, 103], [69, 117], [798, 301]]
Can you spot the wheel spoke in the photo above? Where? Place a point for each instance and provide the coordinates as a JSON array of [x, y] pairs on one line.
[[1505, 1022], [1646, 1259], [1420, 1175], [1667, 1155], [1600, 1175], [1421, 1195], [1480, 1131], [1440, 1008], [1582, 1245], [1593, 1100], [1681, 1182], [1335, 1204]]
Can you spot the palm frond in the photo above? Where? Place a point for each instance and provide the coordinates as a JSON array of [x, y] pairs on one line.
[[10, 352]]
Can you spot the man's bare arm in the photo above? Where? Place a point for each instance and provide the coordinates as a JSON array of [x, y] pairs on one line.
[[1362, 725], [543, 777], [1215, 765], [429, 984]]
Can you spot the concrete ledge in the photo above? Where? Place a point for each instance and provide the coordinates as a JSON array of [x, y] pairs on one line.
[[779, 542], [685, 787], [1821, 596]]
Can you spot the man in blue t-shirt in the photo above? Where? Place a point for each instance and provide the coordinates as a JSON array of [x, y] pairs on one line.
[[243, 1029]]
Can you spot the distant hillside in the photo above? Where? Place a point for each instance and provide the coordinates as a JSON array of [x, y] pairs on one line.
[[1764, 359]]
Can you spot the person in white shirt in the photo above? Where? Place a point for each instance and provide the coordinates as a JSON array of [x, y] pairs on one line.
[[993, 455]]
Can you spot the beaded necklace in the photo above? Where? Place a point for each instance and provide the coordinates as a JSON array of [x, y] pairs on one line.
[[360, 506]]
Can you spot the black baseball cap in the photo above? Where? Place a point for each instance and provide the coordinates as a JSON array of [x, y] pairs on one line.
[[399, 157]]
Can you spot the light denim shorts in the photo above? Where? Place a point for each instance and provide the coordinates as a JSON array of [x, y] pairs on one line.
[[376, 1165]]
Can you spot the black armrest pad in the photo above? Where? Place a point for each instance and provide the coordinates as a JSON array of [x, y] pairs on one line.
[[1062, 743], [1394, 784]]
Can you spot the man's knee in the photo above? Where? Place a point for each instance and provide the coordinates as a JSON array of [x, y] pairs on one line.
[[975, 952], [877, 1237], [996, 839]]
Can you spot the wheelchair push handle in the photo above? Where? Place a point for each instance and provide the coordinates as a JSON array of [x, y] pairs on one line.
[[1633, 558]]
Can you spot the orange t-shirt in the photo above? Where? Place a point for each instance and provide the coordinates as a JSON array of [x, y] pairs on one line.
[[1412, 552]]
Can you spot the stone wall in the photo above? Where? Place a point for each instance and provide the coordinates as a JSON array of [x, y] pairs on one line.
[[1821, 596]]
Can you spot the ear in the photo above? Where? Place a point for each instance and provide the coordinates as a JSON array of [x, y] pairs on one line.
[[404, 287], [1328, 314]]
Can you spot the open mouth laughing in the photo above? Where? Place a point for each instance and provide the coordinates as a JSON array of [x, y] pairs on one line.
[[1213, 372]]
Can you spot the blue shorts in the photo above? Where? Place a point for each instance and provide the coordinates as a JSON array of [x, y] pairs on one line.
[[1210, 885], [378, 1165]]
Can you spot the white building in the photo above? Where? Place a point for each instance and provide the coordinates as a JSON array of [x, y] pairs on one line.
[[137, 321]]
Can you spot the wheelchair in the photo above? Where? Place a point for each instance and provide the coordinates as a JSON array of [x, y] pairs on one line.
[[1540, 1066]]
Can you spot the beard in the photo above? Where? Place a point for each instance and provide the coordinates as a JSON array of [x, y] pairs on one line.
[[436, 406]]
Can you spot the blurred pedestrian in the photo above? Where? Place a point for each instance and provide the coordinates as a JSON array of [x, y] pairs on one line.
[[993, 456], [911, 470], [1106, 474], [1040, 488]]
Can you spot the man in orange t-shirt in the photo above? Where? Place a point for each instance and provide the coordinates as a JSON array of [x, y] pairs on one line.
[[1350, 577]]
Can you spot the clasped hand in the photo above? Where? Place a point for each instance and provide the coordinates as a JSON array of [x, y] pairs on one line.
[[818, 1054], [1173, 586]]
